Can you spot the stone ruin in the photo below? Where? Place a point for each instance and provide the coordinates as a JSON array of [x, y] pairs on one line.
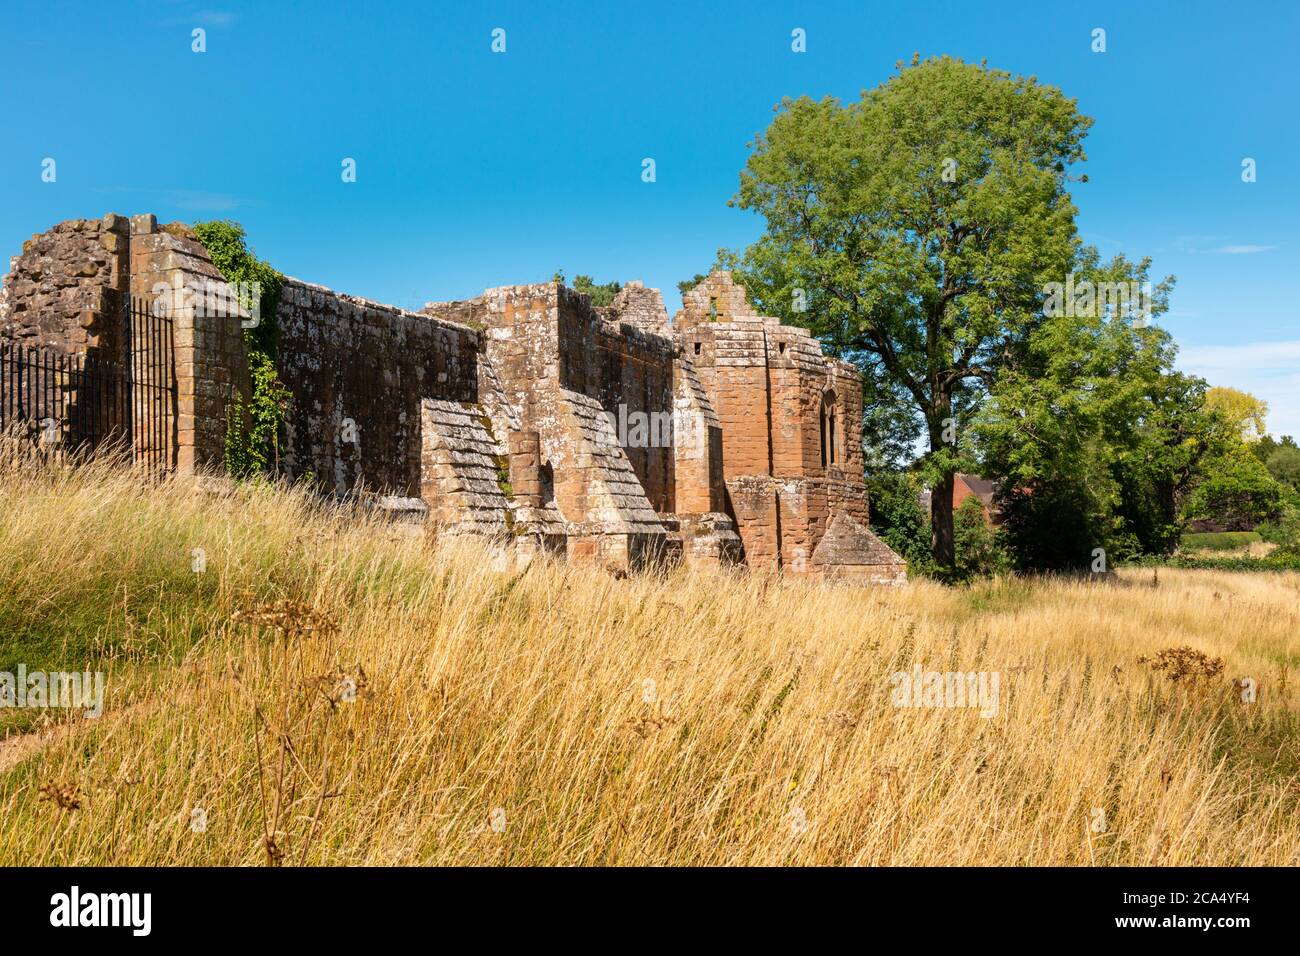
[[607, 434]]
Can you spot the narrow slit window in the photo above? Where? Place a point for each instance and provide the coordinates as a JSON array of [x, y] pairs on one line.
[[828, 430]]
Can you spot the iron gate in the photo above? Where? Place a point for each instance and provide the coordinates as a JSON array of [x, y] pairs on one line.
[[61, 407]]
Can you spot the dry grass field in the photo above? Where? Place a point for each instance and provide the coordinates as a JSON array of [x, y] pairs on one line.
[[325, 691]]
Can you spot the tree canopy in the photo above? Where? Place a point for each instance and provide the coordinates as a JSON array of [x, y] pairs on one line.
[[923, 225], [1246, 412]]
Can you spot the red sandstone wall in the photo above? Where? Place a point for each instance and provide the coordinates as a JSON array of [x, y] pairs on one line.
[[346, 358], [768, 383], [630, 372]]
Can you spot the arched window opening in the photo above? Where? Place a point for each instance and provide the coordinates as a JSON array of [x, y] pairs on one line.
[[546, 478], [829, 430]]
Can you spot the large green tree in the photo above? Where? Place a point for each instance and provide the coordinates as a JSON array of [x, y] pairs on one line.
[[915, 230], [1096, 438], [1246, 412], [1238, 493]]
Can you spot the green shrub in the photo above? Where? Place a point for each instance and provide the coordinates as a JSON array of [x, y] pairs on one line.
[[1275, 561], [1285, 532], [898, 519], [979, 547]]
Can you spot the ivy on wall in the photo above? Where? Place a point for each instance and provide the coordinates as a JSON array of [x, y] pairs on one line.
[[252, 441]]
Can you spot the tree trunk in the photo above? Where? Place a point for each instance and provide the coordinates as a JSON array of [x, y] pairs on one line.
[[942, 544]]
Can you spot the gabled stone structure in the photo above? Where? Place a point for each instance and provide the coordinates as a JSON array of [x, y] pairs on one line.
[[609, 434], [791, 424]]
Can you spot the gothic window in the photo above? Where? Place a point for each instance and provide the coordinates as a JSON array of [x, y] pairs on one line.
[[829, 430]]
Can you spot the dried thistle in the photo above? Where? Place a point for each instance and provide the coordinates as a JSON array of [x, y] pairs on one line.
[[274, 852], [645, 726], [66, 796], [288, 618], [1184, 664], [889, 777]]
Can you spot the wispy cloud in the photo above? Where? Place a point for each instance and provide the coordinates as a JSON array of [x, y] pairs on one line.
[[205, 202], [216, 18], [1097, 237], [1247, 357], [1241, 250], [1268, 370], [1194, 243], [1173, 316], [1214, 246]]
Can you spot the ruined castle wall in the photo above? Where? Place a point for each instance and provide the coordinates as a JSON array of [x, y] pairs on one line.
[[847, 382], [168, 265], [753, 503], [518, 326], [769, 384], [698, 480], [524, 412], [798, 384], [67, 290], [630, 372], [461, 481], [848, 552], [358, 371], [557, 365], [802, 379], [731, 361], [805, 514], [638, 305]]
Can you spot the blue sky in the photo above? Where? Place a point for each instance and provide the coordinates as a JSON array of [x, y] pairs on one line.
[[477, 169]]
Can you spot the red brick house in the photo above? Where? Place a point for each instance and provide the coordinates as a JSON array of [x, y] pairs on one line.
[[969, 486]]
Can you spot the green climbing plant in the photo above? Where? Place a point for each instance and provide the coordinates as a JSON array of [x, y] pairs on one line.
[[253, 424], [252, 444]]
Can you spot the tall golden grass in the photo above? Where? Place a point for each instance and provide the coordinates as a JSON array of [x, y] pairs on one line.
[[331, 692]]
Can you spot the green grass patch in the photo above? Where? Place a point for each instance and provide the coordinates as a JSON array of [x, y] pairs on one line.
[[1219, 540]]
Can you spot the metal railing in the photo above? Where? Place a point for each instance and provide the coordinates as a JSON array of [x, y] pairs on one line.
[[62, 407]]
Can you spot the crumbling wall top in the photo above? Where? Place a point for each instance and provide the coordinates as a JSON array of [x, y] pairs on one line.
[[638, 305], [312, 294], [717, 298]]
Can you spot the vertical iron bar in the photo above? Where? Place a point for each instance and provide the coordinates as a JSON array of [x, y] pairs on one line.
[[153, 392], [153, 416]]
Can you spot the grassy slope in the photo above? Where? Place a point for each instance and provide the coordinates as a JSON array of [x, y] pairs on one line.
[[485, 690]]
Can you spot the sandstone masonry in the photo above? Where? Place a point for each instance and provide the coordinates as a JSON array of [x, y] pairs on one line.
[[608, 434]]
